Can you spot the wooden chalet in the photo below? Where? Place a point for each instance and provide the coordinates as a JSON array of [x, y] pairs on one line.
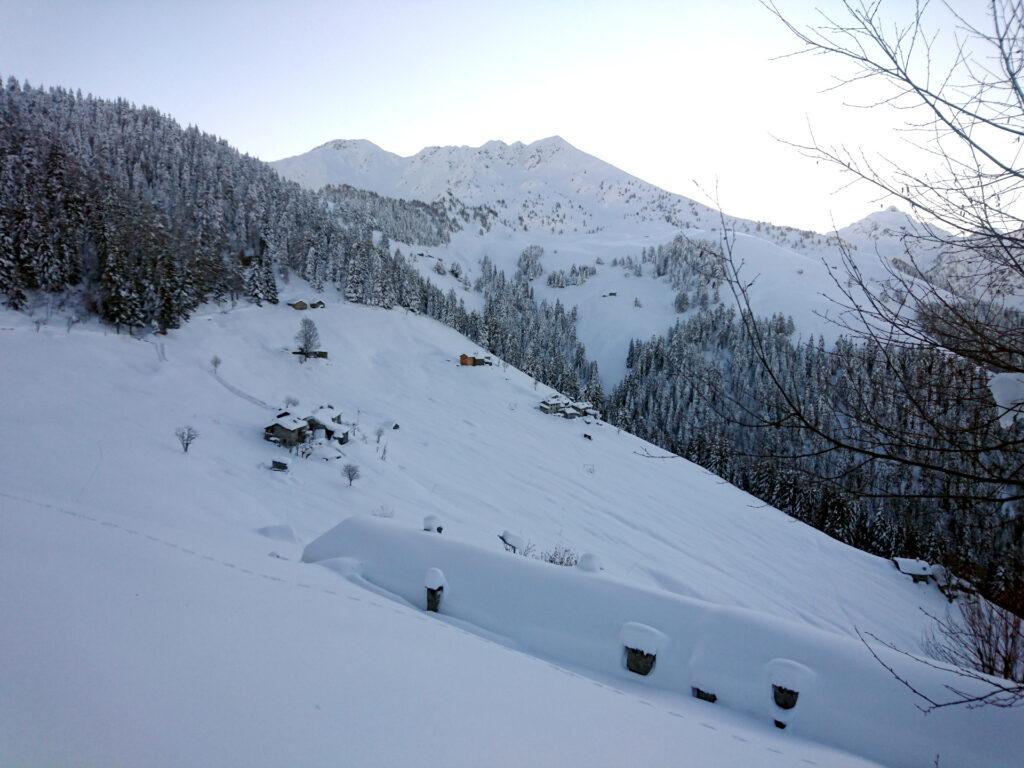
[[286, 430]]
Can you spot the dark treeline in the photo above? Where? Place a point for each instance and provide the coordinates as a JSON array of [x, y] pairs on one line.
[[146, 220], [700, 392]]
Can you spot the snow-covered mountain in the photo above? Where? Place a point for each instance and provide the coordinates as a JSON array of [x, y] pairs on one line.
[[584, 211], [165, 614]]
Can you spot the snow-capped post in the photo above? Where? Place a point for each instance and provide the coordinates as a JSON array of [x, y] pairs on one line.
[[642, 645], [787, 679], [435, 582], [432, 523], [785, 698]]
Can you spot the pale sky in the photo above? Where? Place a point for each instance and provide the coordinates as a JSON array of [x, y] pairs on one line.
[[678, 93]]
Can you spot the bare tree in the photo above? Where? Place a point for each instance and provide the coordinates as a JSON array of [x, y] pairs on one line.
[[186, 436], [215, 362], [379, 432], [947, 295], [351, 472], [291, 401], [308, 337], [985, 638]]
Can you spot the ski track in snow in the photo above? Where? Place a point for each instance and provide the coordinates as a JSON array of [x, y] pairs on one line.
[[403, 611], [239, 393]]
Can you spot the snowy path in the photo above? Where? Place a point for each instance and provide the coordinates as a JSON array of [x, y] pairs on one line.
[[239, 393]]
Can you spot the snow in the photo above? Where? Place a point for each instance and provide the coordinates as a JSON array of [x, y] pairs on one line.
[[1008, 392], [278, 532], [431, 523], [912, 567], [643, 638], [434, 579], [589, 563], [516, 542], [165, 618], [584, 622]]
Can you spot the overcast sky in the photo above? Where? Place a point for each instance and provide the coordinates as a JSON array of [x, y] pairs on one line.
[[680, 93]]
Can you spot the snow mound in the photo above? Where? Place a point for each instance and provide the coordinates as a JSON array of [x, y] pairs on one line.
[[589, 562], [736, 654], [277, 533]]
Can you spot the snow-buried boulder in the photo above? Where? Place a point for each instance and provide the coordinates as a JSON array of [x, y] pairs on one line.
[[846, 697], [589, 563]]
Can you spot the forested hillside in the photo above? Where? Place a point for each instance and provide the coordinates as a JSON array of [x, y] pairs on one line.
[[702, 392], [147, 220]]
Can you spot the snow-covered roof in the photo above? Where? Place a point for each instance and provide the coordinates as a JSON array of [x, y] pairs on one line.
[[289, 422], [325, 415], [912, 567]]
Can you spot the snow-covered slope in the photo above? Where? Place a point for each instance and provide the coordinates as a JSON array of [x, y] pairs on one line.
[[164, 616], [582, 209]]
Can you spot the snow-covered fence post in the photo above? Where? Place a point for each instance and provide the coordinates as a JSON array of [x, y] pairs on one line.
[[435, 582], [642, 645], [432, 523], [787, 679]]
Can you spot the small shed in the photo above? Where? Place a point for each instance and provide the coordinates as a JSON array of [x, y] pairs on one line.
[[571, 413], [317, 305], [918, 570], [279, 465], [286, 430], [300, 305], [548, 407]]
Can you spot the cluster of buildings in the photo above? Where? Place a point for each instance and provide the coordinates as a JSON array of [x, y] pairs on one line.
[[323, 424], [567, 408]]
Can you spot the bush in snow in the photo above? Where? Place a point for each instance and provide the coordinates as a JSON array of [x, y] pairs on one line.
[[560, 556], [186, 436]]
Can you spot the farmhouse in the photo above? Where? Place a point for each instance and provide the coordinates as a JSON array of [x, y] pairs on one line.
[[471, 360], [300, 305], [328, 419], [560, 405], [286, 430]]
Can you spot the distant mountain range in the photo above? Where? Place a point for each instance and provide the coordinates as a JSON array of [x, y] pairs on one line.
[[585, 212]]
